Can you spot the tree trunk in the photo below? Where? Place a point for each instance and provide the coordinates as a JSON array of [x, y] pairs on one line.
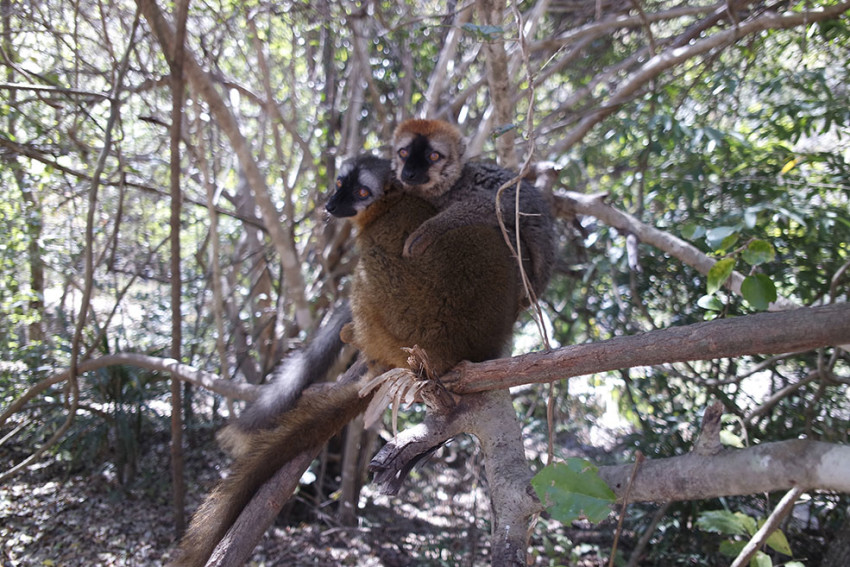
[[177, 85]]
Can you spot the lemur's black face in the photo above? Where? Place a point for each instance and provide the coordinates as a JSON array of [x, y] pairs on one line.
[[428, 157], [360, 183], [417, 159]]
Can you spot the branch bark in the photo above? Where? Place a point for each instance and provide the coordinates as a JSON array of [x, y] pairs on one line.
[[783, 465], [499, 83], [236, 546], [802, 329], [175, 61], [492, 419]]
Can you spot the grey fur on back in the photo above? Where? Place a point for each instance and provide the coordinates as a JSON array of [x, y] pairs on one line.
[[479, 182]]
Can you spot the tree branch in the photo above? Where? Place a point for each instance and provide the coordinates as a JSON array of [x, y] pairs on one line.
[[211, 382], [802, 329], [669, 58], [785, 506], [569, 204], [27, 150], [783, 465], [201, 83]]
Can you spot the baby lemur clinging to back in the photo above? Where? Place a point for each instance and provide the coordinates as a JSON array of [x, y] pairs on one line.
[[458, 301], [428, 161]]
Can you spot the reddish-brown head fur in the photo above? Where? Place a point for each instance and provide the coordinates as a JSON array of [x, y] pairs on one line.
[[428, 156]]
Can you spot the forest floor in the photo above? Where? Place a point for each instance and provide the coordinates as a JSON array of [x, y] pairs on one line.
[[52, 515]]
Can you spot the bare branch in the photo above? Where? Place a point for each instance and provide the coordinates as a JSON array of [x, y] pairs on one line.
[[211, 382], [201, 83], [783, 465], [31, 152], [569, 204], [52, 90], [801, 329], [499, 83], [785, 506], [437, 81]]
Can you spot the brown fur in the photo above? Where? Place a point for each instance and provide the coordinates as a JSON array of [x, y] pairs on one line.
[[465, 195], [316, 417], [458, 302]]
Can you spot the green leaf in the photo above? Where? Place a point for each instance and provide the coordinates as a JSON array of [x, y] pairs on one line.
[[573, 489], [777, 541], [748, 522], [732, 548], [692, 231], [715, 237], [710, 303], [719, 273], [728, 242], [758, 252], [758, 290], [724, 522], [761, 559]]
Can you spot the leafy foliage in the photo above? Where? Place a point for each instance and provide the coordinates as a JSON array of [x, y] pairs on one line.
[[572, 490]]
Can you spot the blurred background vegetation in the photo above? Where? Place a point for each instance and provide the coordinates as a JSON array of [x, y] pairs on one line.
[[722, 140]]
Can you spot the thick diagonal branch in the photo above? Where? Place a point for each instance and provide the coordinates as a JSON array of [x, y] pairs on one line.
[[797, 330]]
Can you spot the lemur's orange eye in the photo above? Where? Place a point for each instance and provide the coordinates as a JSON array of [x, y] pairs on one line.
[[339, 183], [403, 153], [363, 192], [434, 156]]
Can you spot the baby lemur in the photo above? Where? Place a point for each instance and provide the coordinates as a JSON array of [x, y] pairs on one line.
[[428, 161], [458, 301]]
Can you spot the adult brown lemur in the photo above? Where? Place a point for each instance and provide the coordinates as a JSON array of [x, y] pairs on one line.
[[457, 300]]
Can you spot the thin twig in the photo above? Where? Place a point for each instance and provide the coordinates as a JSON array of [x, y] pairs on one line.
[[72, 387], [639, 458], [760, 537]]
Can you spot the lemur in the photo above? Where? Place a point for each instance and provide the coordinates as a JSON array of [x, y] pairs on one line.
[[458, 301], [428, 161]]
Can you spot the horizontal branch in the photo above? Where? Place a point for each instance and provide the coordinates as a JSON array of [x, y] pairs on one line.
[[764, 468], [617, 22], [797, 330], [208, 380], [51, 90], [31, 152]]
